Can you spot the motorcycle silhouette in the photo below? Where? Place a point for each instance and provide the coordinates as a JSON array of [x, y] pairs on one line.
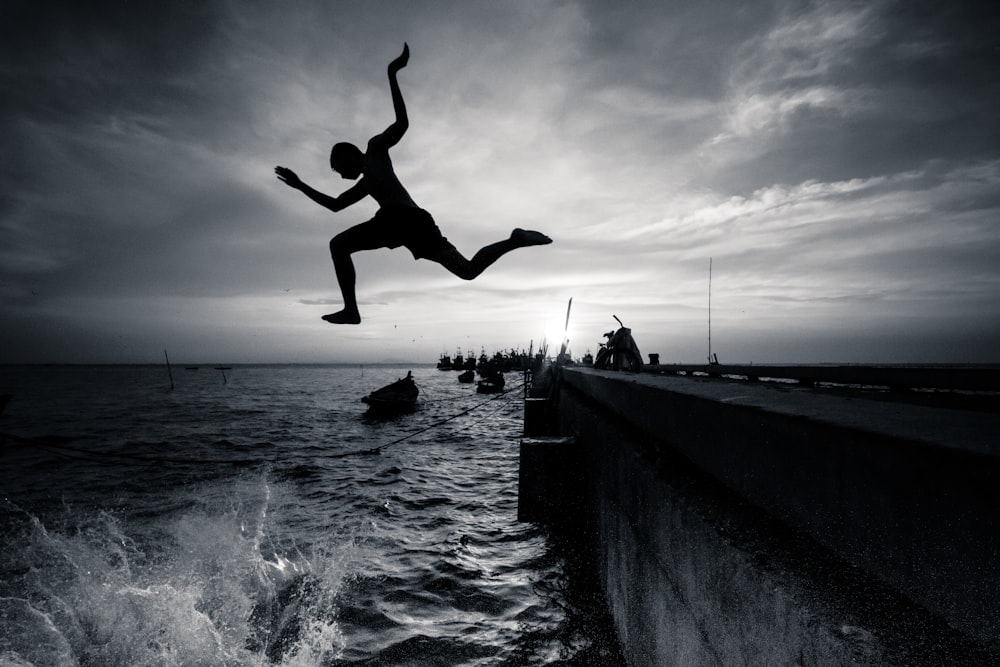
[[619, 353]]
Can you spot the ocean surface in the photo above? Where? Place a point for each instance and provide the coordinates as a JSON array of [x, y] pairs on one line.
[[243, 519]]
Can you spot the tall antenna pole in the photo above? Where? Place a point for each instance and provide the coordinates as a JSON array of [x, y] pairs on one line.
[[709, 310]]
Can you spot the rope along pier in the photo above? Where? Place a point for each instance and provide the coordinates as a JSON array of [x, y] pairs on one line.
[[60, 445], [378, 450]]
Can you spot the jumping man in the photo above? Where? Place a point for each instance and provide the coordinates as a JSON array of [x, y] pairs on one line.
[[399, 221]]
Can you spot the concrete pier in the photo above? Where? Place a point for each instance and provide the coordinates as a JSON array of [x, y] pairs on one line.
[[749, 523]]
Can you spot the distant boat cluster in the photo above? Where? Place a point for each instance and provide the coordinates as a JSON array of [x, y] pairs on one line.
[[501, 361], [490, 369], [401, 396]]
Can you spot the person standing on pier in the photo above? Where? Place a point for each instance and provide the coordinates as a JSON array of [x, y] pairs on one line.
[[399, 221]]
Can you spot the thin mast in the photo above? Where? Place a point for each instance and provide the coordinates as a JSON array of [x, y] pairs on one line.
[[709, 310], [565, 342]]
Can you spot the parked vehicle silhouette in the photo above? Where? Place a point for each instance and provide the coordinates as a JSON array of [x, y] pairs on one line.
[[619, 353]]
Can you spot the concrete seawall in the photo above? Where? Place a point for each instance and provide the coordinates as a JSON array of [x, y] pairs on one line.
[[744, 523]]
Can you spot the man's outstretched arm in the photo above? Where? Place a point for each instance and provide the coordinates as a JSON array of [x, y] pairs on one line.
[[350, 196], [395, 132]]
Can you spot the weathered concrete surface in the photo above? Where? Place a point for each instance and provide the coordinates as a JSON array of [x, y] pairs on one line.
[[893, 499], [540, 494]]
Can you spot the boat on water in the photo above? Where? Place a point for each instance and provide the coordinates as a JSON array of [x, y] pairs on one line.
[[470, 361], [493, 384], [503, 361], [394, 398], [467, 376]]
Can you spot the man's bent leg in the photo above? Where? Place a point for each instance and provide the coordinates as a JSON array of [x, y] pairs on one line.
[[342, 246], [344, 268], [468, 269]]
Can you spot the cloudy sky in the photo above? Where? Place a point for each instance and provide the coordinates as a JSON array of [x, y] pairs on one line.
[[837, 162]]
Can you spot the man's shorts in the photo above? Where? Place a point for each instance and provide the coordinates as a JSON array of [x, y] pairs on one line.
[[411, 227]]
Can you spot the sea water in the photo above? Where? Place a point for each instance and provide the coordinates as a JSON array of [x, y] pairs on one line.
[[256, 516]]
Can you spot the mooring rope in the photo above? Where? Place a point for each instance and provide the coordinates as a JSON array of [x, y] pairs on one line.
[[79, 454], [378, 450]]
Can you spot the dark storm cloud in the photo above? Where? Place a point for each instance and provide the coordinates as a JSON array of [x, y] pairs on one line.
[[685, 52], [78, 60], [895, 84], [85, 82]]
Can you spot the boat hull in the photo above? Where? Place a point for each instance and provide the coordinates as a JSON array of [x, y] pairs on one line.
[[396, 398]]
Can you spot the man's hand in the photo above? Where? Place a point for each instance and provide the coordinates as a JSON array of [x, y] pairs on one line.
[[400, 62], [289, 177]]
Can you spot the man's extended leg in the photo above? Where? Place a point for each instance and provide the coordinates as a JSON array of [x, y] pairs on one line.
[[342, 246], [467, 269]]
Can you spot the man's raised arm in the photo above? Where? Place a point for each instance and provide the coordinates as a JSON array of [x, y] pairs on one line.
[[395, 132], [350, 196]]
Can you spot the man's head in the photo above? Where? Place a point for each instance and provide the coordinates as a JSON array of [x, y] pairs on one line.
[[345, 159]]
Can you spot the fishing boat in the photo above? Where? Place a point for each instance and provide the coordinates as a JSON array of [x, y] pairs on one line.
[[493, 384], [395, 398], [469, 363]]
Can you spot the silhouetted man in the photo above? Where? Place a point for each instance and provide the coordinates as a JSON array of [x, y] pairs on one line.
[[399, 221]]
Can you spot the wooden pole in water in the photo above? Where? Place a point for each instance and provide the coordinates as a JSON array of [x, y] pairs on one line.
[[169, 372]]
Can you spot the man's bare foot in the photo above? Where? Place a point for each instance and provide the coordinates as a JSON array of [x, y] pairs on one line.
[[343, 317], [526, 237]]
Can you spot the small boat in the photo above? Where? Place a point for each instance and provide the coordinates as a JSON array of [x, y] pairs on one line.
[[468, 362], [467, 376], [395, 398], [493, 384]]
